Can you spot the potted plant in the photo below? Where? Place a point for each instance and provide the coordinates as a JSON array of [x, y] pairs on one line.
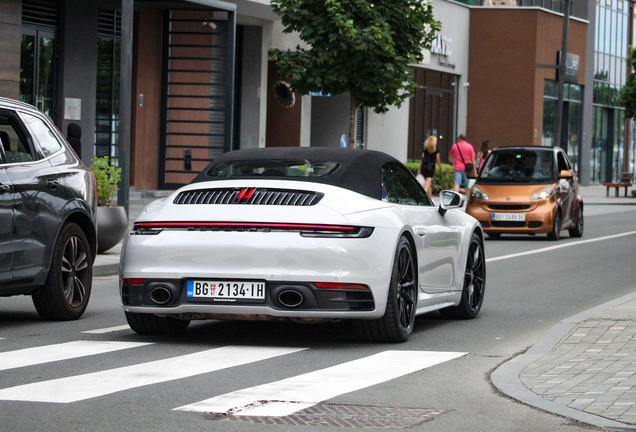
[[112, 221]]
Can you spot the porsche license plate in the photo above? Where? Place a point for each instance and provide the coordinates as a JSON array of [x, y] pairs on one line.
[[226, 289], [517, 217]]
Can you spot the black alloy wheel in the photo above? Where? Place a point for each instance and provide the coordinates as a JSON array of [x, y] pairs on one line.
[[399, 318], [474, 283], [555, 234], [67, 289], [577, 231]]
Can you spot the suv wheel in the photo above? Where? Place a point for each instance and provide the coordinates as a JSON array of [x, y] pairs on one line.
[[65, 294]]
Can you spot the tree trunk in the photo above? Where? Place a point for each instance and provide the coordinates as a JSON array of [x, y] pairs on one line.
[[352, 122]]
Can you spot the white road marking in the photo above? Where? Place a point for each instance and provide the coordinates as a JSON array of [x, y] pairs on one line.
[[576, 243], [81, 387], [108, 329], [57, 352], [296, 393]]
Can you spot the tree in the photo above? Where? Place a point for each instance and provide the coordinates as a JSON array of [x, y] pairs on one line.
[[627, 96], [363, 47]]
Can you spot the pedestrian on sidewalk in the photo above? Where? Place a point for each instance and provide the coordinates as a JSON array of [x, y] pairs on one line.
[[462, 157], [430, 156], [484, 151]]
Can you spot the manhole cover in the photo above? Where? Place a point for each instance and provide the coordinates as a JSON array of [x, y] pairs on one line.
[[353, 416]]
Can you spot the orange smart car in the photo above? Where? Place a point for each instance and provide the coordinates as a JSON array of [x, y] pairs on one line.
[[527, 190]]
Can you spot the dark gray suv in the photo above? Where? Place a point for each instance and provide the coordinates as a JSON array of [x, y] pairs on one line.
[[47, 215]]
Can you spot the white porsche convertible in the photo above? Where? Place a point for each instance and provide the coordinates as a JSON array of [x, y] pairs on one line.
[[303, 234]]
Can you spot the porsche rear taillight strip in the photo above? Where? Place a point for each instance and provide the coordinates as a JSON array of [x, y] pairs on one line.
[[243, 224], [306, 230]]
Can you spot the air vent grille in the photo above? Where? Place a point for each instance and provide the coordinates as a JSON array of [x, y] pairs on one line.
[[249, 196], [41, 13]]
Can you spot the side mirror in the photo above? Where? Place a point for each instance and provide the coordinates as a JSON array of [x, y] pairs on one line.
[[449, 200], [565, 174]]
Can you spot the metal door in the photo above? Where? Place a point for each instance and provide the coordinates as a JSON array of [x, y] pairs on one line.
[[37, 69]]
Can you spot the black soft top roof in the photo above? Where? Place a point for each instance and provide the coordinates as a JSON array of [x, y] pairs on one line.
[[360, 170]]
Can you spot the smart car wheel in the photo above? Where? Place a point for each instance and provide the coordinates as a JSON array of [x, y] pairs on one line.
[[577, 231], [399, 318], [67, 289], [555, 234], [474, 284], [152, 324]]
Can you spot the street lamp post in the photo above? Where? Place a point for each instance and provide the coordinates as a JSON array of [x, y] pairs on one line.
[[628, 121], [562, 66]]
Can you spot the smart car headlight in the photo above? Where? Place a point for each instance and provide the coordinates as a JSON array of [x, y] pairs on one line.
[[476, 193], [543, 194]]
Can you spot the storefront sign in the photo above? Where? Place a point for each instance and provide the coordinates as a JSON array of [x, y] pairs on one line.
[[72, 109], [572, 68], [442, 45]]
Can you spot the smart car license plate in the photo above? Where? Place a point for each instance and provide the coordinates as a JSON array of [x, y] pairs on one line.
[[517, 217], [226, 290]]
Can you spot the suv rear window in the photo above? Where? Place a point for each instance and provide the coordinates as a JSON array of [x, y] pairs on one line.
[[273, 168], [518, 166]]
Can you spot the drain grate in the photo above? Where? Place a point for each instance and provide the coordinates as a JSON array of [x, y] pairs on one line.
[[352, 416]]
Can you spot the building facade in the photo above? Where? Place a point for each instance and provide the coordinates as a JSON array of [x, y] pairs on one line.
[[201, 84]]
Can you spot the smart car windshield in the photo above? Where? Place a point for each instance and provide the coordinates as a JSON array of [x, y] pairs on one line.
[[273, 168], [518, 166]]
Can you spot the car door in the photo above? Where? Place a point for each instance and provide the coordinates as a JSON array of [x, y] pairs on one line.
[[36, 217], [6, 222], [437, 237], [567, 188]]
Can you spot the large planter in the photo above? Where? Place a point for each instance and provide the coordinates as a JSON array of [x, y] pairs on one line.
[[112, 223]]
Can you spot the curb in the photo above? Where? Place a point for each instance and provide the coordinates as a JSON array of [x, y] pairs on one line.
[[506, 377]]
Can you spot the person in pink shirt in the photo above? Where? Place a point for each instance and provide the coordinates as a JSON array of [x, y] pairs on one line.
[[461, 154]]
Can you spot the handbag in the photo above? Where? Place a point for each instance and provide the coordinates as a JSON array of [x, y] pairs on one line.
[[420, 179], [468, 167]]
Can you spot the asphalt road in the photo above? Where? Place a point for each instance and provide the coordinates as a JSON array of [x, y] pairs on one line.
[[526, 295]]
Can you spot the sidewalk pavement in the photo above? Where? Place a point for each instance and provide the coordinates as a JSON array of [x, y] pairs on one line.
[[584, 368]]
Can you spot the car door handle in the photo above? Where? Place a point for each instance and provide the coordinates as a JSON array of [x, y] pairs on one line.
[[53, 184], [4, 188], [421, 232]]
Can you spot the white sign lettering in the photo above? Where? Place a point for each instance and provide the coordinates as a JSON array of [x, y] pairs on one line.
[[442, 45]]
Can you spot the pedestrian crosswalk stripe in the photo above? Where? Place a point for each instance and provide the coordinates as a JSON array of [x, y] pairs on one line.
[[81, 387], [293, 394], [108, 329], [63, 351]]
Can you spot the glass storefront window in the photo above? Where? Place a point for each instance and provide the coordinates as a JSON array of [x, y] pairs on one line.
[[572, 112], [433, 111], [107, 94]]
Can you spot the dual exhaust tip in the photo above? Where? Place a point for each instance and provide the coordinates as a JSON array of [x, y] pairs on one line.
[[288, 298], [160, 295]]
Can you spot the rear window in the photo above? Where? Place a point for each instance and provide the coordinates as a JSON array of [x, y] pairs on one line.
[[273, 168], [518, 166]]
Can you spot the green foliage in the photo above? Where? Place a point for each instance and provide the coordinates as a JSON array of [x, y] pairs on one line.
[[358, 46], [444, 180], [627, 98], [106, 178]]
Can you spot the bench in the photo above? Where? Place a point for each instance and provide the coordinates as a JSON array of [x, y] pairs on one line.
[[626, 181]]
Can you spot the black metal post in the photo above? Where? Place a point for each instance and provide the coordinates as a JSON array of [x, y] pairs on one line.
[[125, 101], [562, 63], [628, 121]]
